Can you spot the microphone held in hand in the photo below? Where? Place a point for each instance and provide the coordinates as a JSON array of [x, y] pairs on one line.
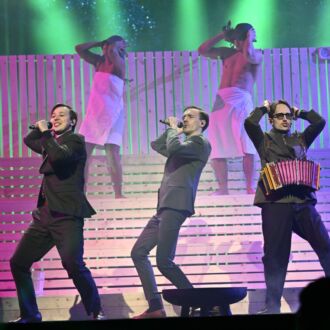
[[49, 125], [179, 124]]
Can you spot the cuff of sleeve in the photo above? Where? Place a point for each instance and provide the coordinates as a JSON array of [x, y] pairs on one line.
[[263, 109], [302, 114]]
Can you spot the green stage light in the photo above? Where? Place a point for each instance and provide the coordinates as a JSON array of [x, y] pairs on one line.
[[260, 14], [53, 27], [322, 37], [190, 24], [110, 19]]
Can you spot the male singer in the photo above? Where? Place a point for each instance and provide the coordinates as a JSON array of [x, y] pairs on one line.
[[58, 220], [292, 208], [176, 196]]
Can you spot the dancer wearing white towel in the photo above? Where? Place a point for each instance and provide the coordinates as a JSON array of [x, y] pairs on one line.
[[233, 101], [103, 124]]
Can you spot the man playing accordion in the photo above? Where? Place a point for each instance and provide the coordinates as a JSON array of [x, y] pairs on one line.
[[286, 204]]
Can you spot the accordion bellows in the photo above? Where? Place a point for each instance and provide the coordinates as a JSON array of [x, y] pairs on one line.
[[290, 173]]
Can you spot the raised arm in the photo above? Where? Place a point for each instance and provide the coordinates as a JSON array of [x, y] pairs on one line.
[[316, 126], [252, 126], [207, 48], [84, 52], [253, 55]]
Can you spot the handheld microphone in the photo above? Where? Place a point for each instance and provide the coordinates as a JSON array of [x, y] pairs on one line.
[[179, 124], [49, 125]]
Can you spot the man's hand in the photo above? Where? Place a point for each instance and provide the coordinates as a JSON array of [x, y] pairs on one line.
[[173, 123], [42, 125], [296, 112], [267, 105]]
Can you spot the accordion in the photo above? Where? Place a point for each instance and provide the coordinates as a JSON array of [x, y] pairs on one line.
[[295, 172]]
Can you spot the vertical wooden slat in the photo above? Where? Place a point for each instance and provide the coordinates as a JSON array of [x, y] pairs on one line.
[[68, 80], [32, 92], [213, 74], [77, 102], [259, 95], [324, 101], [59, 79], [5, 105], [125, 148], [287, 95], [304, 69], [178, 88], [204, 75], [50, 78], [13, 124], [160, 91], [268, 77], [277, 72], [169, 99], [41, 88], [87, 82], [133, 87], [151, 96], [295, 76], [186, 80], [23, 102], [142, 107], [196, 93], [314, 89]]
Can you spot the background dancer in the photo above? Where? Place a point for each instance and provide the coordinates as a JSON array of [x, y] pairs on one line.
[[233, 102], [103, 124]]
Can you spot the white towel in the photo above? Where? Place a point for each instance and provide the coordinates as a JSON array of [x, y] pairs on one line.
[[104, 120], [226, 131]]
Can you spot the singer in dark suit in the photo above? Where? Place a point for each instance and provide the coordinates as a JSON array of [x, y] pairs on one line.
[[176, 197], [58, 219]]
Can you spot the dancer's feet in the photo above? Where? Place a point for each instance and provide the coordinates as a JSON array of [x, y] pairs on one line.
[[219, 192]]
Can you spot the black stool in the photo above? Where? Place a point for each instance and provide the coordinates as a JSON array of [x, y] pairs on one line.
[[205, 299]]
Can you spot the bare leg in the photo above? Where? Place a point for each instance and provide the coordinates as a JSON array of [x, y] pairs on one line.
[[89, 150], [248, 169], [115, 169], [221, 174]]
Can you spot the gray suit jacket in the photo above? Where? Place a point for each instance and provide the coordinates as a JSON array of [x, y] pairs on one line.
[[183, 168]]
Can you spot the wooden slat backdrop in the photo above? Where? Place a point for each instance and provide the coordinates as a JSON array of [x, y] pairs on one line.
[[162, 83]]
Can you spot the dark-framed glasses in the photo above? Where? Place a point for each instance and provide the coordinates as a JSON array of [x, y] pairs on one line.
[[281, 116]]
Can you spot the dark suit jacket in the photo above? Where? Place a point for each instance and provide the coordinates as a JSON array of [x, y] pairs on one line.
[[275, 146], [63, 169], [183, 168]]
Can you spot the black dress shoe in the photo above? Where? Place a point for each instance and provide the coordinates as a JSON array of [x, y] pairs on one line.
[[99, 316], [28, 319]]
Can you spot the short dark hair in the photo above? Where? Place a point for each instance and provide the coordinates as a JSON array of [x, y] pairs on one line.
[[273, 106], [202, 115], [73, 115]]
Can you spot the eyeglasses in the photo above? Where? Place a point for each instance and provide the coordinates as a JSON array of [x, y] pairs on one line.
[[281, 116]]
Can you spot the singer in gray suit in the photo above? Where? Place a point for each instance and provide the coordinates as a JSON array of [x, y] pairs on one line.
[[176, 197]]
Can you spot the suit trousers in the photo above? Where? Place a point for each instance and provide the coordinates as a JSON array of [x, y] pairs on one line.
[[162, 231], [279, 220], [49, 229]]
